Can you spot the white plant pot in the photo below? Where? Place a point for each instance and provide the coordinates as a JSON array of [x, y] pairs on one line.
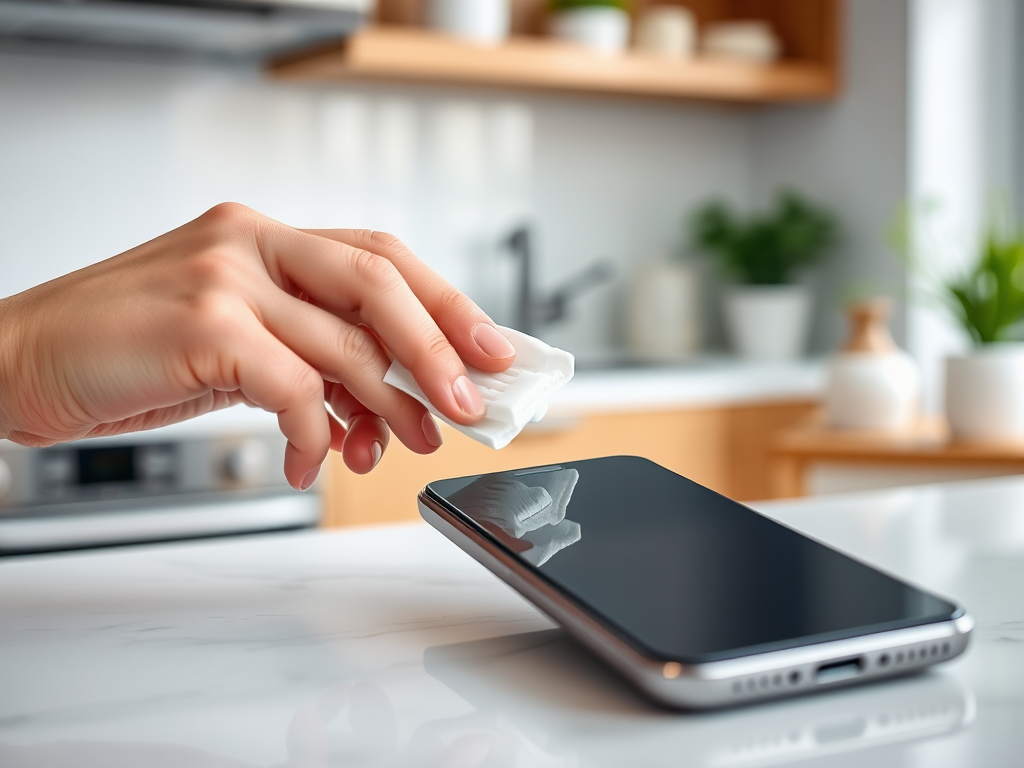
[[604, 30], [485, 22], [664, 312], [768, 322], [868, 390], [985, 393]]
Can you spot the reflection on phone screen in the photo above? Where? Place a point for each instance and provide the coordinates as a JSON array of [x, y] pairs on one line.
[[526, 512]]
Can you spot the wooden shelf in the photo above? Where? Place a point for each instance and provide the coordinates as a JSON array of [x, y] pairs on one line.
[[924, 445], [926, 442], [407, 54]]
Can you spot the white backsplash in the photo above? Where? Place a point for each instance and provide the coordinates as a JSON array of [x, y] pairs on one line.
[[99, 154]]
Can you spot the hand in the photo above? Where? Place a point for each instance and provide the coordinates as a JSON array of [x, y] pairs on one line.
[[235, 307]]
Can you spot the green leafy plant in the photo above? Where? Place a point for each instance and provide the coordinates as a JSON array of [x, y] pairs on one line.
[[765, 249], [568, 5], [986, 298]]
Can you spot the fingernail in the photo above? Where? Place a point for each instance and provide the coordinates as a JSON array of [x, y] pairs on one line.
[[376, 451], [309, 478], [430, 431], [493, 342], [468, 396]]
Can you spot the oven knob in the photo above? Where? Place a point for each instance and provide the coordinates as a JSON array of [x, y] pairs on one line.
[[6, 478], [247, 462]]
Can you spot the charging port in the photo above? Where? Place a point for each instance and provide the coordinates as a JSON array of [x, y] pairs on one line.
[[839, 670]]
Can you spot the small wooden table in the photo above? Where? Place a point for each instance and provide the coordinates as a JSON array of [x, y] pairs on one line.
[[811, 458]]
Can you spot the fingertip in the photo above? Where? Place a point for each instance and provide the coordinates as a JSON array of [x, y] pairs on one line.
[[454, 395], [468, 398], [483, 347], [431, 433], [493, 344], [310, 477], [368, 437], [298, 469]]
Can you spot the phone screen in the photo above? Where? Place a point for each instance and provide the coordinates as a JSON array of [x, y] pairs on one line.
[[677, 570]]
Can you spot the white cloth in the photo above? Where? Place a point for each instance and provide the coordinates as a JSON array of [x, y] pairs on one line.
[[514, 397]]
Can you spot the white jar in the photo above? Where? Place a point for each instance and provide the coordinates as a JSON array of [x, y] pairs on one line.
[[871, 383], [663, 320], [768, 322], [985, 393], [668, 32], [867, 390], [748, 41], [602, 29], [485, 22]]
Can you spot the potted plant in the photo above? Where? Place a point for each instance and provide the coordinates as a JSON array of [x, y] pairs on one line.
[[985, 387], [601, 25], [766, 314]]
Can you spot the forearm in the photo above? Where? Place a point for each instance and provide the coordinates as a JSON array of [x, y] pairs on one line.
[[8, 356]]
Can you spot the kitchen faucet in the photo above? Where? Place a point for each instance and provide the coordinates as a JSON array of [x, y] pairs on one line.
[[534, 311]]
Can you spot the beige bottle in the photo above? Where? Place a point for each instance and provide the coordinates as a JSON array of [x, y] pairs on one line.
[[872, 384]]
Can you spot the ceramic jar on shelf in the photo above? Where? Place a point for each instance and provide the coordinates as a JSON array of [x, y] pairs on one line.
[[483, 22], [601, 27], [872, 384], [667, 32]]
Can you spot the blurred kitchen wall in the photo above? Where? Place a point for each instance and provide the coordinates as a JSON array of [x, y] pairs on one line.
[[1018, 120], [98, 154], [851, 154]]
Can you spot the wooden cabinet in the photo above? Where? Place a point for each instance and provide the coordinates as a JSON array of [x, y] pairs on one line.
[[724, 448], [397, 49]]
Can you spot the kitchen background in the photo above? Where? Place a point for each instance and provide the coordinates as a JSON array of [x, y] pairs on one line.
[[98, 154], [100, 151]]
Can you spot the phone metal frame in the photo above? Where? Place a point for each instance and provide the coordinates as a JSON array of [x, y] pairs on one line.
[[713, 684]]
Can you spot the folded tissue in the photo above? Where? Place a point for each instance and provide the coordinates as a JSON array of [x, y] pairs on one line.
[[514, 397]]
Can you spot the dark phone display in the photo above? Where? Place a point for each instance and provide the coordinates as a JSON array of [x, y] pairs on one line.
[[678, 570]]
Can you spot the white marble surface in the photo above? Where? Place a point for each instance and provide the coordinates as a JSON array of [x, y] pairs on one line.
[[389, 647]]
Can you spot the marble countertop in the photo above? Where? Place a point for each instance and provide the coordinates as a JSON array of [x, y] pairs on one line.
[[389, 647]]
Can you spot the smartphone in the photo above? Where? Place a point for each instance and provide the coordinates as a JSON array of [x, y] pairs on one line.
[[696, 599]]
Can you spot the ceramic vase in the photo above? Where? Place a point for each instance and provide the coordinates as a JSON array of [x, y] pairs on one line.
[[484, 22], [601, 29], [664, 311], [668, 32], [985, 393], [768, 323], [871, 384], [752, 42]]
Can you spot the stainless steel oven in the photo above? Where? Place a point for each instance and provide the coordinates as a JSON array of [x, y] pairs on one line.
[[216, 475]]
